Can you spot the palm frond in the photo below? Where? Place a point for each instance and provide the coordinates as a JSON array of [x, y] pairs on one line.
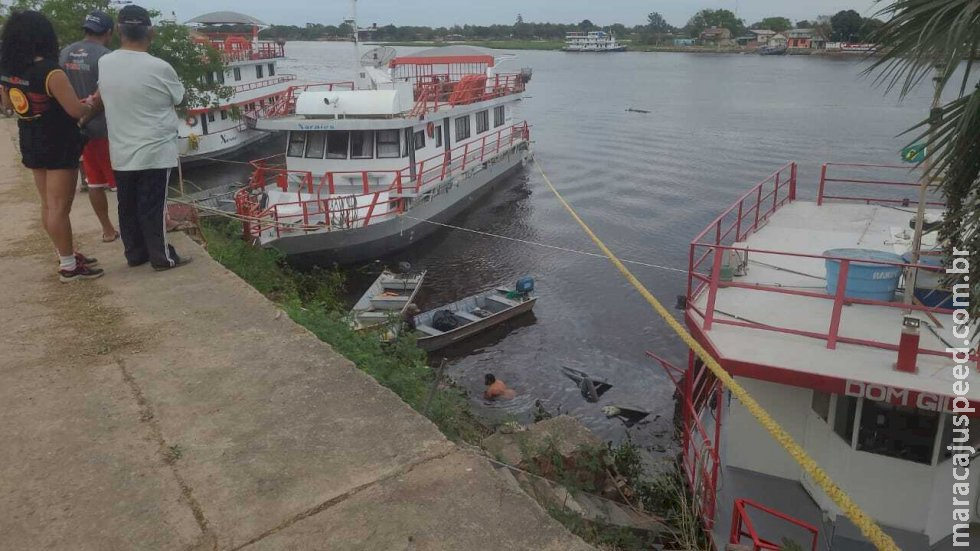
[[920, 35]]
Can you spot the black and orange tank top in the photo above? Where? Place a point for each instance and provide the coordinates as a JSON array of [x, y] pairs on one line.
[[31, 98]]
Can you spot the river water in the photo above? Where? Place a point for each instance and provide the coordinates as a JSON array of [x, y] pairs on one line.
[[646, 183]]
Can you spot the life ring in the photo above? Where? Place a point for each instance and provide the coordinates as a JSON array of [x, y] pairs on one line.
[[191, 121], [430, 129], [233, 41]]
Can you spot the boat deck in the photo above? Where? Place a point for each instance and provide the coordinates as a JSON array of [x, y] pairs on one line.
[[806, 228]]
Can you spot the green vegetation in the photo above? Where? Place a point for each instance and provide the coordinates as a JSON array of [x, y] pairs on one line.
[[313, 300], [494, 44]]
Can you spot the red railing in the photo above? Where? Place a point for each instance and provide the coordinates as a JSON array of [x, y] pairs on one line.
[[742, 527], [857, 175], [435, 91], [358, 184], [749, 213], [700, 462]]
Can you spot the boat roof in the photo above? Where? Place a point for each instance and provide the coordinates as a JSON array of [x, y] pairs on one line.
[[225, 18], [446, 55], [761, 330]]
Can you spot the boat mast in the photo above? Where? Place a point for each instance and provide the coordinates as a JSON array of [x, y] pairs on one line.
[[357, 43]]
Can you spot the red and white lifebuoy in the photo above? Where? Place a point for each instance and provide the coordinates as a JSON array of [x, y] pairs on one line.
[[430, 129], [191, 121]]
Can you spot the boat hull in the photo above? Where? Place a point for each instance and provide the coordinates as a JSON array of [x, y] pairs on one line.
[[209, 151], [432, 343], [382, 239]]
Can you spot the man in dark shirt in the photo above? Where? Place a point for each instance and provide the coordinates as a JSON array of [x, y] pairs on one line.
[[81, 63]]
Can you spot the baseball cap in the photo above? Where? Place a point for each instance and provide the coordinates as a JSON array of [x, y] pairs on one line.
[[134, 15], [98, 22]]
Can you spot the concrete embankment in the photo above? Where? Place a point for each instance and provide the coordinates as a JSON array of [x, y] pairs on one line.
[[182, 410]]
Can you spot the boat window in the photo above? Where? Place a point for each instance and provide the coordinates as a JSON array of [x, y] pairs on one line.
[[419, 140], [905, 432], [297, 144], [224, 114], [337, 144], [210, 116], [258, 71], [844, 415], [361, 144], [462, 128], [482, 122], [272, 69], [388, 144], [438, 134], [238, 73], [821, 404], [221, 77], [315, 142], [498, 116]]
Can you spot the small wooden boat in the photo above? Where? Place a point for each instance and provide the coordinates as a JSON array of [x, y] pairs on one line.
[[385, 301], [471, 315]]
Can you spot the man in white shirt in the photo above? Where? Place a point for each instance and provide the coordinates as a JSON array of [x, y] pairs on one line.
[[140, 92]]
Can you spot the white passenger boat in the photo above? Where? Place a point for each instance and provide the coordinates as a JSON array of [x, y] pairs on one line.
[[800, 301], [250, 69], [593, 41]]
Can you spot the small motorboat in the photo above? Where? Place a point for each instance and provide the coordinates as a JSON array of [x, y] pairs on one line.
[[385, 302], [464, 318], [773, 50]]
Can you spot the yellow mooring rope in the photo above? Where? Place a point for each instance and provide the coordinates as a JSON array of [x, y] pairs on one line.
[[869, 528]]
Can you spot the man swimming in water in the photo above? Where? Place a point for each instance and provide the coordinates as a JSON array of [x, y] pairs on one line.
[[496, 389]]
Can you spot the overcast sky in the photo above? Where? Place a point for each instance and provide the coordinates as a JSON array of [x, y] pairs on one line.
[[483, 12]]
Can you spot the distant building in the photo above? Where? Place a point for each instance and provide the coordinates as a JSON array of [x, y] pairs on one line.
[[716, 36], [799, 38], [683, 42], [777, 40], [761, 37]]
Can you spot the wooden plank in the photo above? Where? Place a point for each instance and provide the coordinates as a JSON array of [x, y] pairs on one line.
[[431, 331]]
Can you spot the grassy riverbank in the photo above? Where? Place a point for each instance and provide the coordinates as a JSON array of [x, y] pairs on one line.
[[313, 300]]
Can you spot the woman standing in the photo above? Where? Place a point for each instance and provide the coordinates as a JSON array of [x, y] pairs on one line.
[[39, 92]]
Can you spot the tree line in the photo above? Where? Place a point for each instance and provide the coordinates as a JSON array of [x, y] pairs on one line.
[[844, 26]]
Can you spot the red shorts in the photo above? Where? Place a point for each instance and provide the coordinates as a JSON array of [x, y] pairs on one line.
[[96, 165]]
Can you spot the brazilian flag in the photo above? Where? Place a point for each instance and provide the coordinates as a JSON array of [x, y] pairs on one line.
[[914, 153]]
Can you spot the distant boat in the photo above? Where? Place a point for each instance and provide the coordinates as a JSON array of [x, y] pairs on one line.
[[464, 318], [385, 301], [595, 41], [773, 50]]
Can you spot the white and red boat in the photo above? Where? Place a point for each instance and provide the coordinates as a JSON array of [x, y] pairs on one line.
[[250, 69], [372, 170], [801, 302]]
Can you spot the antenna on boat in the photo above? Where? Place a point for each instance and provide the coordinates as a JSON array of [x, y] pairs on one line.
[[357, 41]]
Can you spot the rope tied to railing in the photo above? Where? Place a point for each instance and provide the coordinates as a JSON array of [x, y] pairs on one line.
[[868, 527]]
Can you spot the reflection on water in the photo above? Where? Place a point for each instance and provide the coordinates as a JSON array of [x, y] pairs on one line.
[[646, 183]]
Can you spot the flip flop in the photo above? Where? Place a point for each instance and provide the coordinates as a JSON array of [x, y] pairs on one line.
[[115, 235]]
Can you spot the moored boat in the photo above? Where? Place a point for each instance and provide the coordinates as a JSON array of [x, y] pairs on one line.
[[475, 314], [368, 170], [250, 69], [385, 302], [801, 302]]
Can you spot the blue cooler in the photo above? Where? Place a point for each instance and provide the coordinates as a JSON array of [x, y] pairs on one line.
[[525, 285], [865, 279], [929, 288]]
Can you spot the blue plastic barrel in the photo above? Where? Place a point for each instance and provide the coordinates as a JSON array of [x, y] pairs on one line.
[[864, 278]]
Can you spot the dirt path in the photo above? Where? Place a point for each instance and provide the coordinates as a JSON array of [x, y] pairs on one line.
[[180, 410]]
